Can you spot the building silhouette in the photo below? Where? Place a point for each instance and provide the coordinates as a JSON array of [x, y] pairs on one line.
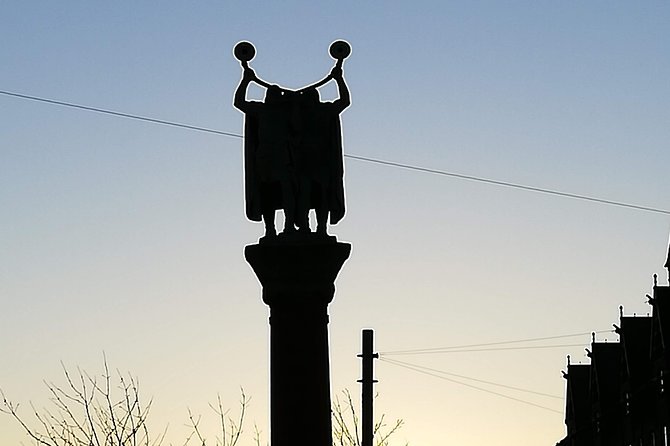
[[622, 397]]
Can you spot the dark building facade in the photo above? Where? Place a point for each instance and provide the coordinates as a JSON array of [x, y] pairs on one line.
[[622, 397]]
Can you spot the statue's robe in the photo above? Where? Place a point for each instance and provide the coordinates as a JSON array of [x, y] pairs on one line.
[[318, 156], [288, 140], [267, 158]]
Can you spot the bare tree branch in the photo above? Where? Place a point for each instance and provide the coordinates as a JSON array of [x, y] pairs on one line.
[[106, 410], [85, 413], [346, 424]]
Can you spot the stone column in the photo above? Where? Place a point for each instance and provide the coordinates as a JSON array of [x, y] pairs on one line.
[[298, 280]]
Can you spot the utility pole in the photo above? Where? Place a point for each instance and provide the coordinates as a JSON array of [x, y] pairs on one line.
[[367, 382]]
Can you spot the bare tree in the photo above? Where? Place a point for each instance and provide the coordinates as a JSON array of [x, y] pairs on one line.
[[106, 410], [89, 411], [346, 424], [230, 428]]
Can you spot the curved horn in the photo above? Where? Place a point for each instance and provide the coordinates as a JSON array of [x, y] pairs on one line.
[[244, 52], [339, 50]]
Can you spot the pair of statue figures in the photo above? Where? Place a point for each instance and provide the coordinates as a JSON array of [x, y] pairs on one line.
[[293, 149]]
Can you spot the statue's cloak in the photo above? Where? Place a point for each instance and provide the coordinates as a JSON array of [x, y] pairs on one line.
[[261, 194], [251, 186], [336, 184], [317, 153]]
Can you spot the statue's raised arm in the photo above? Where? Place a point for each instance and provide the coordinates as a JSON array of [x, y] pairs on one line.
[[345, 99], [240, 100]]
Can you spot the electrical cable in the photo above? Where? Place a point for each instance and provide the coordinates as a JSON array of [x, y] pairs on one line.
[[354, 157], [502, 395], [488, 344], [493, 349], [512, 185], [394, 361], [120, 114]]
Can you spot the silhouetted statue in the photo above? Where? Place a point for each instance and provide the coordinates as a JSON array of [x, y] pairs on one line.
[[293, 149]]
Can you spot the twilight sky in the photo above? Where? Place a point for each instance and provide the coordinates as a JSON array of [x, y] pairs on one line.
[[124, 237]]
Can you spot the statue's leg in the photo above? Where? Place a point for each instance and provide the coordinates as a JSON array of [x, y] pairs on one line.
[[322, 211], [288, 199], [269, 221], [302, 213]]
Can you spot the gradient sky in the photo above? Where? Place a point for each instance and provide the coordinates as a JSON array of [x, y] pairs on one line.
[[125, 237]]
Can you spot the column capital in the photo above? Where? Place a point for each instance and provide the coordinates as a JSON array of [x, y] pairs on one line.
[[296, 274]]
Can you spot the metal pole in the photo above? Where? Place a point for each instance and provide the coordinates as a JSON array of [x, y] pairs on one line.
[[367, 382]]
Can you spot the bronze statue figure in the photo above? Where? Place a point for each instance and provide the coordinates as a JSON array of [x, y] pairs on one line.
[[293, 149]]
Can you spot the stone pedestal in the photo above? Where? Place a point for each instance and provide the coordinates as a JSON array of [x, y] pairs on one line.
[[298, 280]]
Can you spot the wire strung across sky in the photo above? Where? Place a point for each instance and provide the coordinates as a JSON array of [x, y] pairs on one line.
[[427, 371], [493, 349], [442, 372], [355, 157], [486, 347], [494, 346]]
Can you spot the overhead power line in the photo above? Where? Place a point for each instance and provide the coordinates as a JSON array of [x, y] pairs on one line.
[[120, 114], [508, 184], [502, 395], [492, 349], [355, 157], [467, 347], [442, 372]]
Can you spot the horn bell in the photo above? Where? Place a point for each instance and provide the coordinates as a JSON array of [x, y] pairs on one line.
[[244, 51], [340, 50]]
